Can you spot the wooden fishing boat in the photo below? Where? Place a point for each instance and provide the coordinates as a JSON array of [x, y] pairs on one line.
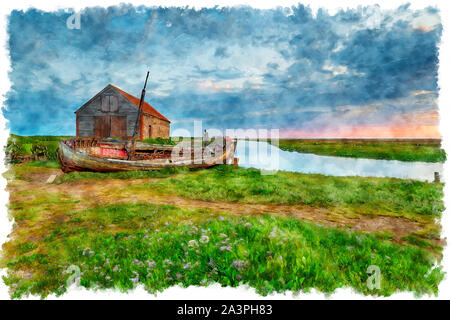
[[90, 154]]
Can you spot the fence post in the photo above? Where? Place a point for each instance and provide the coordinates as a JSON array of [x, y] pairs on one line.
[[437, 179]]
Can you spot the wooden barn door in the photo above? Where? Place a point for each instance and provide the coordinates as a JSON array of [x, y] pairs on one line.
[[110, 126], [118, 127], [101, 126]]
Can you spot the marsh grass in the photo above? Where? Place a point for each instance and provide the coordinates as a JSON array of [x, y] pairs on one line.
[[75, 176], [403, 151], [52, 164], [365, 195], [358, 194], [158, 246]]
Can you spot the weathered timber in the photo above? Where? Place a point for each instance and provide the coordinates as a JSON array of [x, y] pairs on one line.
[[102, 156]]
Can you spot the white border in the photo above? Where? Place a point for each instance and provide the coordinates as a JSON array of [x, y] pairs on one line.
[[216, 292]]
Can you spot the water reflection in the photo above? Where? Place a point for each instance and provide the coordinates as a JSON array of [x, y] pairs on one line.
[[262, 155]]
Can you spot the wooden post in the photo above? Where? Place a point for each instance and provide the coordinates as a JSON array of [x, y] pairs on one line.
[[437, 179]]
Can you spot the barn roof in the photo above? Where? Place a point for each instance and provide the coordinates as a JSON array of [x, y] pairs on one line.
[[146, 107]]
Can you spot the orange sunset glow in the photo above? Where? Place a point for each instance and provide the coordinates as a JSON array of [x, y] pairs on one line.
[[378, 131]]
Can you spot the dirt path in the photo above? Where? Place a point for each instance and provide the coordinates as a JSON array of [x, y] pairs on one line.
[[113, 191]]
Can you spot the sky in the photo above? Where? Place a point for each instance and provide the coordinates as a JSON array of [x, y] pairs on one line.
[[362, 72]]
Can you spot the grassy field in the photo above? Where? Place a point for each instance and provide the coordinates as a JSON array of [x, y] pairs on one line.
[[120, 246], [197, 227], [414, 150], [233, 184]]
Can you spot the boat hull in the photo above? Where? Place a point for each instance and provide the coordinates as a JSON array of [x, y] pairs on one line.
[[72, 159]]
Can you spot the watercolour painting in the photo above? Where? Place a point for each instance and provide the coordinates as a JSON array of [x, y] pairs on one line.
[[285, 150]]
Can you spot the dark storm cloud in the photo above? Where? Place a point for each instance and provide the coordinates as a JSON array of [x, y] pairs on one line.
[[230, 67]]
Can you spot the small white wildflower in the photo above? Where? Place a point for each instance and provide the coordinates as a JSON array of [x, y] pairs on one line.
[[192, 243], [204, 239]]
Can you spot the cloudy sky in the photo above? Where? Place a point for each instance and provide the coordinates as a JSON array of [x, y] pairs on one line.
[[365, 72]]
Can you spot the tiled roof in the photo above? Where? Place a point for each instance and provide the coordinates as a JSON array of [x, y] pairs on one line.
[[146, 107]]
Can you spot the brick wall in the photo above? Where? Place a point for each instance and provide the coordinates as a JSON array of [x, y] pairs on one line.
[[160, 128]]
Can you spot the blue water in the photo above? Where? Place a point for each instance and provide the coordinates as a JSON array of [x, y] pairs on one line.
[[269, 158]]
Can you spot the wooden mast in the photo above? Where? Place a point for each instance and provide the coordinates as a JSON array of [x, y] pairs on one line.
[[138, 122]]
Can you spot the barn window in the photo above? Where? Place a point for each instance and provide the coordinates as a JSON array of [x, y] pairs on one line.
[[109, 104]]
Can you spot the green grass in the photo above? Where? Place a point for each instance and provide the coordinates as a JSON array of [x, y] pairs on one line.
[[403, 151], [269, 253], [75, 176], [52, 164], [359, 194], [226, 183], [174, 140], [159, 140], [32, 139], [119, 246]]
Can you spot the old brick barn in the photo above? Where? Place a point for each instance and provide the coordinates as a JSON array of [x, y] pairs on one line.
[[113, 112]]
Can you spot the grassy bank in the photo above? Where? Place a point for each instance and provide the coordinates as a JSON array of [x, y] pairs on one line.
[[394, 150], [225, 183], [76, 176], [120, 246], [119, 233]]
